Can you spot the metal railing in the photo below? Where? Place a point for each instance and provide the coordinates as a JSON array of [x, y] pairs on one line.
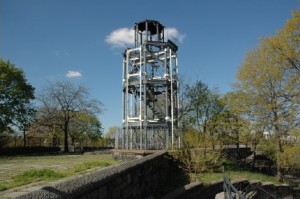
[[231, 191], [255, 188]]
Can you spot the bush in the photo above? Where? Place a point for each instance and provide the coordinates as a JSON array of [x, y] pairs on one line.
[[196, 161]]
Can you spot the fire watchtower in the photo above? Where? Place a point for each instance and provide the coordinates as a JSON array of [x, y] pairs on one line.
[[150, 83]]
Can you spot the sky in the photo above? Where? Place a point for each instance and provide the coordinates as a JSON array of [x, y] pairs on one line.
[[82, 41]]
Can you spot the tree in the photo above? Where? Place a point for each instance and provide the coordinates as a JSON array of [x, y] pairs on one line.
[[234, 120], [197, 97], [46, 125], [195, 160], [25, 117], [85, 127], [112, 131], [201, 107], [15, 96], [285, 44], [199, 112], [269, 78], [93, 127], [64, 103], [111, 137]]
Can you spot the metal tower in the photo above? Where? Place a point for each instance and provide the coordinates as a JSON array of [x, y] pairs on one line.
[[150, 83]]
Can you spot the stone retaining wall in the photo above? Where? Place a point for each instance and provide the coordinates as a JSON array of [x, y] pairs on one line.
[[198, 190], [142, 178]]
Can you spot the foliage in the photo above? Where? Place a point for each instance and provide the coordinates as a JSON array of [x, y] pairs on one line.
[[267, 147], [68, 107], [85, 127], [15, 96], [203, 104], [234, 121], [195, 161], [200, 115], [269, 83], [112, 131], [290, 157], [202, 133], [4, 140], [193, 139]]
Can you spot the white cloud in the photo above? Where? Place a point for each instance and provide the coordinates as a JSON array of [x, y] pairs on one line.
[[173, 34], [124, 37], [121, 38], [73, 74]]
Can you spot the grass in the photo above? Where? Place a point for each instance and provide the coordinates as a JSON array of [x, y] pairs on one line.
[[69, 165], [30, 176], [88, 165], [37, 175], [234, 175], [235, 172]]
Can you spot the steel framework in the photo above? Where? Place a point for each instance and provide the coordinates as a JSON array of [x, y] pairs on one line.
[[150, 87]]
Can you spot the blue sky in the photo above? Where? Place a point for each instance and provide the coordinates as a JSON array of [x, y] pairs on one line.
[[82, 40]]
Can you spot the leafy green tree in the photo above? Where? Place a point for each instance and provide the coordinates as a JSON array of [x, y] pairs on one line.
[[25, 117], [64, 103], [93, 128], [202, 104], [202, 108], [285, 44], [197, 97], [47, 124], [111, 136], [85, 127], [15, 97], [269, 77], [112, 131], [234, 120]]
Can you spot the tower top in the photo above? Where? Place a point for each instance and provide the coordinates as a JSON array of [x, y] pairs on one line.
[[153, 26], [148, 31]]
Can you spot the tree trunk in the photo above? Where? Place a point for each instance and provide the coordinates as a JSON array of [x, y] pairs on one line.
[[66, 143], [279, 148], [24, 138], [278, 162], [53, 141], [254, 156], [237, 152], [236, 131]]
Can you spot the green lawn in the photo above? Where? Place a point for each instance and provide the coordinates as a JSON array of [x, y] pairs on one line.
[[16, 171], [235, 172]]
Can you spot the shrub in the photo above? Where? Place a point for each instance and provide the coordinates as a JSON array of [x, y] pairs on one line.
[[196, 161]]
